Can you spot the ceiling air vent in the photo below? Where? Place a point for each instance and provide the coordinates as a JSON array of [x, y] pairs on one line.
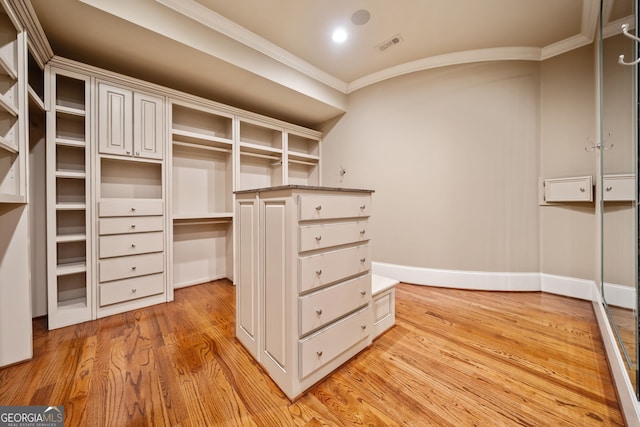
[[389, 43]]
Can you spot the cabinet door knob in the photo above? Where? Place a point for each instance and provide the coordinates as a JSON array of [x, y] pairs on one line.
[[363, 259], [318, 238], [582, 189], [609, 188], [133, 226], [133, 209], [363, 293], [134, 267], [133, 245], [319, 272], [128, 152], [133, 290], [319, 353], [363, 327], [319, 311], [137, 153], [363, 231], [363, 207], [319, 207]]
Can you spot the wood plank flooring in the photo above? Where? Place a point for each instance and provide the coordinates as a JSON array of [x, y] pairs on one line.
[[454, 358]]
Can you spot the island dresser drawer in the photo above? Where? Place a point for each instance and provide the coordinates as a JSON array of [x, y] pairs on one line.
[[326, 305], [129, 289], [322, 236], [322, 347], [323, 269], [330, 207], [130, 266]]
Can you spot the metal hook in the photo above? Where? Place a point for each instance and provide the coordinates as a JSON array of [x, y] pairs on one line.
[[625, 31]]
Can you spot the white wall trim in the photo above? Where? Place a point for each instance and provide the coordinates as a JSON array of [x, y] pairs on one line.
[[620, 296], [559, 285]]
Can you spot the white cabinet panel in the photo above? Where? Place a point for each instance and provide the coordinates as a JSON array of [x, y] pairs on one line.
[[312, 237], [128, 289], [572, 189], [130, 225], [114, 120], [327, 207], [329, 267], [130, 207], [130, 244]]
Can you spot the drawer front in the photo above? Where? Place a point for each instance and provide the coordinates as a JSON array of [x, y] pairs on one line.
[[130, 225], [326, 305], [131, 266], [576, 189], [129, 207], [619, 188], [129, 289], [329, 267], [131, 244], [323, 236], [320, 348], [328, 207]]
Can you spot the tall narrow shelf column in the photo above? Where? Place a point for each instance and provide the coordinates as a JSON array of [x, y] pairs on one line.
[[202, 194], [68, 198], [15, 303]]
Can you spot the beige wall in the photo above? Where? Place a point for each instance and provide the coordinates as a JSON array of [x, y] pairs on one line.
[[452, 155], [568, 111]]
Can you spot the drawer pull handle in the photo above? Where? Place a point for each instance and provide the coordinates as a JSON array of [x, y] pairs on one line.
[[133, 268], [582, 189], [363, 207], [137, 153], [133, 290], [318, 238], [319, 353], [319, 311], [319, 272], [133, 245], [363, 231], [133, 209], [319, 207], [364, 327], [128, 152], [363, 293], [609, 188], [363, 259], [133, 226]]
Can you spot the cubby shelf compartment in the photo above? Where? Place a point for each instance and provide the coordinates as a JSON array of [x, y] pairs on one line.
[[68, 199]]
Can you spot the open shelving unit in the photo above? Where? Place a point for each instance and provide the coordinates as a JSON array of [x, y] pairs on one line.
[[13, 150], [202, 193], [260, 151], [303, 159], [68, 199]]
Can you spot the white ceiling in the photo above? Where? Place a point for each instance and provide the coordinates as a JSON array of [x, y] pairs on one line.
[[276, 57]]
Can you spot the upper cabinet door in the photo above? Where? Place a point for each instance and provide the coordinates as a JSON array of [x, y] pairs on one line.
[[115, 106], [148, 129]]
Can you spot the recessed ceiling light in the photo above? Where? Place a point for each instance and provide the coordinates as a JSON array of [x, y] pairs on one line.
[[339, 35]]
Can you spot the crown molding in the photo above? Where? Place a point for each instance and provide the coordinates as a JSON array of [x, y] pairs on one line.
[[454, 58], [193, 10], [38, 43]]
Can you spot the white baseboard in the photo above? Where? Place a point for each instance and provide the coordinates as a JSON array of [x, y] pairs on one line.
[[560, 285]]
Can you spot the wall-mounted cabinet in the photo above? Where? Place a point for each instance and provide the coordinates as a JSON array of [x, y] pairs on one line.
[[69, 175], [130, 123]]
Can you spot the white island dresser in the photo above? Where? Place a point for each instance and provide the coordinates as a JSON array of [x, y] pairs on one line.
[[303, 280]]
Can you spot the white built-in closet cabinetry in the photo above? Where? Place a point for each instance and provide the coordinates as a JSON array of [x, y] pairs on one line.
[[15, 302], [140, 187]]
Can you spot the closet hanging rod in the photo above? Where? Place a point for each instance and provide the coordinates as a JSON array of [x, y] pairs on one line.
[[625, 31]]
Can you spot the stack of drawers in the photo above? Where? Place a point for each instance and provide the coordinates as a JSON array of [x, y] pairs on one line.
[[334, 259], [130, 250], [304, 304]]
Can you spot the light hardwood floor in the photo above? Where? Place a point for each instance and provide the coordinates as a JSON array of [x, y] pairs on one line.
[[454, 358]]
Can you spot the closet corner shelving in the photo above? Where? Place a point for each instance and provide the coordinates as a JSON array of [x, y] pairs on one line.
[[261, 160], [303, 158], [68, 199], [202, 142], [13, 151]]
